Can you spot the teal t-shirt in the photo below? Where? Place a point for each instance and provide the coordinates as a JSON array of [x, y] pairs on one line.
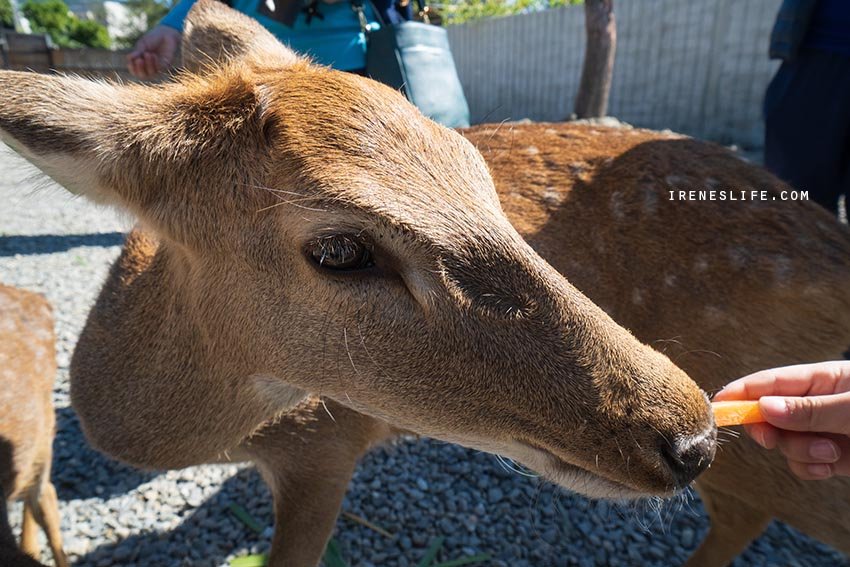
[[336, 39]]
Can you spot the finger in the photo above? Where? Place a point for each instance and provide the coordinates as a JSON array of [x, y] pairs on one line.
[[138, 49], [842, 466], [808, 448], [800, 380], [764, 434], [143, 73], [811, 471], [825, 414], [150, 65], [138, 68]]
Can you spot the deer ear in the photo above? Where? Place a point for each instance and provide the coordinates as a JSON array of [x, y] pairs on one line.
[[214, 33], [175, 155]]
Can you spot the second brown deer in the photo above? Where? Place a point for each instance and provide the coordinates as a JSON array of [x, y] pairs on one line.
[[309, 232], [27, 421]]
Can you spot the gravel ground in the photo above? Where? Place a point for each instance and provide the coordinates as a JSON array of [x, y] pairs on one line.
[[418, 490]]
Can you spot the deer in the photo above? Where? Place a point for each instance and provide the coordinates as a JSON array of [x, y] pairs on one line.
[[309, 245], [27, 423]]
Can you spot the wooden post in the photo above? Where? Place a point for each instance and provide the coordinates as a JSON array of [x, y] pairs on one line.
[[598, 66]]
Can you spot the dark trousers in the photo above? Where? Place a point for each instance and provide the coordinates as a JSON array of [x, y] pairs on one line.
[[807, 119]]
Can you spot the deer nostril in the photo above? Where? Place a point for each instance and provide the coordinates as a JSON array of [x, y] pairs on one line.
[[687, 457]]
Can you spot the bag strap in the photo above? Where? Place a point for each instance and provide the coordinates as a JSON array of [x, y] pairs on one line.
[[423, 7], [358, 7]]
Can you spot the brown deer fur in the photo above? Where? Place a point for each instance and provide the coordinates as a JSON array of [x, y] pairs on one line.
[[460, 330], [215, 323], [27, 421]]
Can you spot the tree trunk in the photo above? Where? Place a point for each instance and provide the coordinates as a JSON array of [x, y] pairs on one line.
[[598, 67]]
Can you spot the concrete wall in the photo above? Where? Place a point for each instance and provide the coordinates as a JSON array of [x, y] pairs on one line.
[[694, 66]]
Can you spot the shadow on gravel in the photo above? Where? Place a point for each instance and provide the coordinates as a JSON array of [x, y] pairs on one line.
[[81, 472], [52, 243], [206, 535]]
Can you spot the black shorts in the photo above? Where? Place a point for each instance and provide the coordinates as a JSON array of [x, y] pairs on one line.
[[807, 125]]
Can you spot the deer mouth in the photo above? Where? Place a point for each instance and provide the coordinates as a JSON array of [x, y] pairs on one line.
[[574, 477]]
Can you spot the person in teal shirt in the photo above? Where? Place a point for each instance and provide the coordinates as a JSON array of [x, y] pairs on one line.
[[328, 31]]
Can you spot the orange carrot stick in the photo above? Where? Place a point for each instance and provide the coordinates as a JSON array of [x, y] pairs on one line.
[[736, 412]]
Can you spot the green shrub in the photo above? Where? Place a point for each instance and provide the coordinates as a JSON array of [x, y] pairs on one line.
[[65, 29], [90, 33], [6, 19], [460, 11]]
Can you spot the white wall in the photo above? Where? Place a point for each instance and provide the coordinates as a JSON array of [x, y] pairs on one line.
[[695, 66]]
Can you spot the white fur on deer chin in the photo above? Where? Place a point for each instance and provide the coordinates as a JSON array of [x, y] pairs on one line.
[[556, 470], [570, 476]]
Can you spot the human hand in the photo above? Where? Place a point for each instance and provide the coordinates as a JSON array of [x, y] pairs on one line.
[[807, 409], [154, 52]]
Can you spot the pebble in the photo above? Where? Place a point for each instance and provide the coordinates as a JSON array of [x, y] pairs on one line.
[[687, 538], [495, 495]]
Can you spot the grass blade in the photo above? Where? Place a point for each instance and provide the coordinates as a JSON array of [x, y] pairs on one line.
[[431, 554], [250, 561], [468, 560], [243, 516], [364, 522], [333, 555]]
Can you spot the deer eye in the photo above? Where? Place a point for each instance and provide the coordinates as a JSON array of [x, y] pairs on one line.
[[341, 253]]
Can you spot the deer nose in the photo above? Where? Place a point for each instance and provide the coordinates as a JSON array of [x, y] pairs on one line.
[[688, 456]]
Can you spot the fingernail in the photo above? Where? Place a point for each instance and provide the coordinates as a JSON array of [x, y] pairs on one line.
[[774, 406], [824, 451], [819, 471]]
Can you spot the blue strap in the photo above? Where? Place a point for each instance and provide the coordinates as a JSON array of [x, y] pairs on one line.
[[177, 15]]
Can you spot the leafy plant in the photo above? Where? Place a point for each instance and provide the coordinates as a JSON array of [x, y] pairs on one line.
[[90, 33], [7, 19], [333, 555], [250, 561], [431, 553], [65, 29], [430, 557], [461, 11], [243, 516], [468, 560]]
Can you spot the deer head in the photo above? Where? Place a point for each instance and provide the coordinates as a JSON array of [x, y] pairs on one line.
[[315, 233]]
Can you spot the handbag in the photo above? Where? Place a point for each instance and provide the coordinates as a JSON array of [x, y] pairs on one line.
[[415, 58]]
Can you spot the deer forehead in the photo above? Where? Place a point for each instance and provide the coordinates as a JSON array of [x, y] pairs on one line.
[[355, 140]]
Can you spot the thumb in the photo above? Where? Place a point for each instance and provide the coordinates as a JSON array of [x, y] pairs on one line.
[[140, 47], [137, 51], [824, 414]]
